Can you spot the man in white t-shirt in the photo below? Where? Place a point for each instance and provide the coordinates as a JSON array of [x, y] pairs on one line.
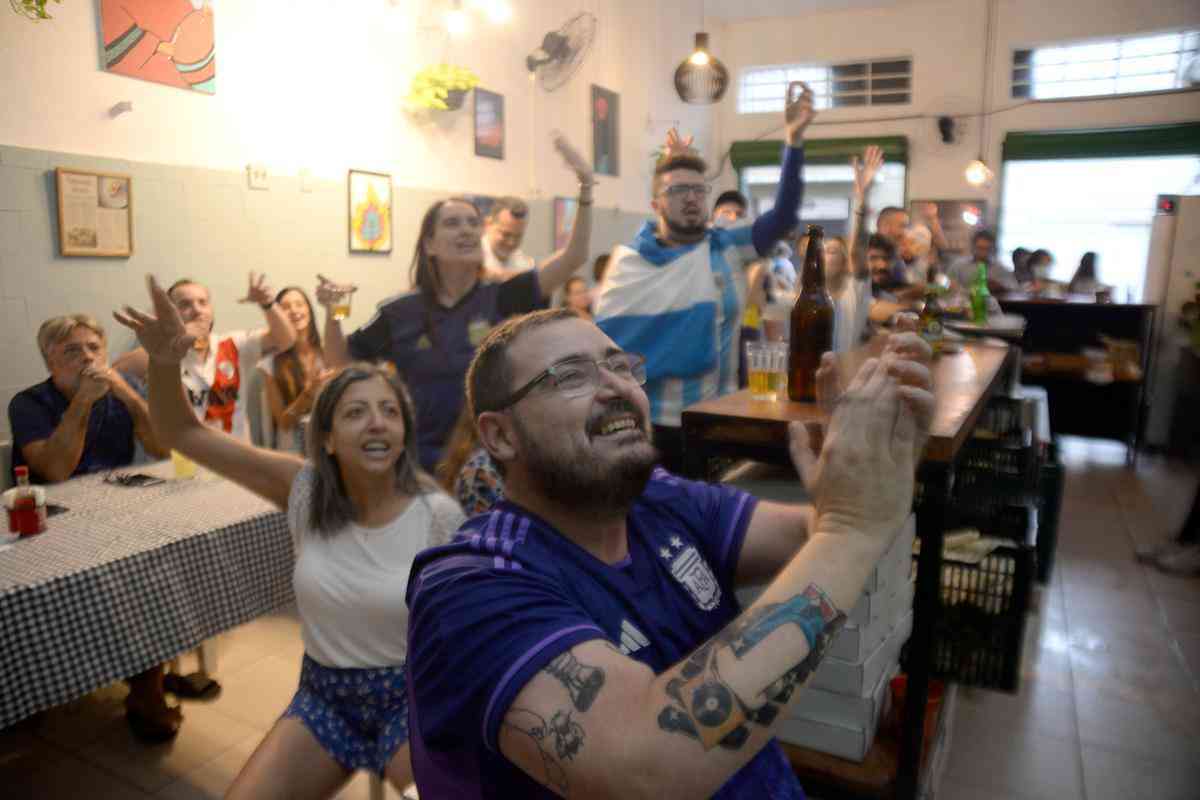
[[503, 232], [216, 373]]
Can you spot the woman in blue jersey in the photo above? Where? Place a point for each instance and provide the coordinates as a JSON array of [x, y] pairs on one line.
[[430, 332], [359, 510]]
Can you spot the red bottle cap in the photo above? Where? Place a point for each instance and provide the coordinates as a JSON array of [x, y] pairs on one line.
[[21, 471]]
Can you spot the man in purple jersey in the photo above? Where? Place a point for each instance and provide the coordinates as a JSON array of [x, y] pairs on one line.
[[583, 639]]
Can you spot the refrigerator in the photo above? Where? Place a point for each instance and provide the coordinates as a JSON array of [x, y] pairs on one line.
[[1172, 270]]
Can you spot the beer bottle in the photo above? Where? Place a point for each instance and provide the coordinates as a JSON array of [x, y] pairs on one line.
[[930, 324], [980, 296], [812, 321]]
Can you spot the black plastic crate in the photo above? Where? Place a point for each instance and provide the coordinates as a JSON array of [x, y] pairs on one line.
[[978, 639], [1006, 421], [1017, 523]]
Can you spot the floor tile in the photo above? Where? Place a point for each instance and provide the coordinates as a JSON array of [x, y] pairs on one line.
[[69, 777], [1113, 775], [258, 695], [956, 790], [1183, 614], [205, 734], [1166, 727], [1018, 761], [210, 781], [1162, 585], [1039, 707], [1189, 646], [83, 721]]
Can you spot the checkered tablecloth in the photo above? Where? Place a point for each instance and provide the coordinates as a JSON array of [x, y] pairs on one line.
[[131, 577]]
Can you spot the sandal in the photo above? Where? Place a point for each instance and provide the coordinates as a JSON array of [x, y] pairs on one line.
[[154, 728], [196, 686]]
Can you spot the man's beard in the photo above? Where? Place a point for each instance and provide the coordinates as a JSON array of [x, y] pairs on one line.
[[586, 485], [686, 231]]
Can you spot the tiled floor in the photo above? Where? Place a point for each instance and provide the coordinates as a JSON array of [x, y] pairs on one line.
[[1109, 704]]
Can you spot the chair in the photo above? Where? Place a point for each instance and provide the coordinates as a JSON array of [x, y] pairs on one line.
[[258, 410], [5, 464]]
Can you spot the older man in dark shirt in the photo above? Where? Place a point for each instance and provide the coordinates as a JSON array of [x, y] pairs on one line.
[[87, 418]]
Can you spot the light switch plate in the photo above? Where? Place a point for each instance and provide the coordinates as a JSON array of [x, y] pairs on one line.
[[256, 176]]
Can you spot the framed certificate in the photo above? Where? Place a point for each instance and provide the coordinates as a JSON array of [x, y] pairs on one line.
[[95, 213]]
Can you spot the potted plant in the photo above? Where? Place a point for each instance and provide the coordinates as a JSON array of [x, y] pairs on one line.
[[441, 87], [34, 9]]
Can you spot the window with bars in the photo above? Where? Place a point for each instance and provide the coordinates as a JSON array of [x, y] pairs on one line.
[[865, 83], [1126, 65]]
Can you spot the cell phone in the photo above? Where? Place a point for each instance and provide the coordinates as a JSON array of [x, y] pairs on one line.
[[141, 479], [52, 509], [134, 479]]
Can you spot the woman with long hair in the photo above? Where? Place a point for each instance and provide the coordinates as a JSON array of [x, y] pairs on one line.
[[359, 509], [430, 333], [851, 295], [293, 378], [577, 297], [1084, 281], [467, 472]]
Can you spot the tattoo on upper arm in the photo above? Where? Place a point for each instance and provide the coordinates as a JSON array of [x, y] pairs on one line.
[[582, 682], [705, 707], [557, 741]]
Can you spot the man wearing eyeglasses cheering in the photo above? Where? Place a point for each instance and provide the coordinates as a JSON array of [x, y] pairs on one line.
[[582, 639], [676, 294]]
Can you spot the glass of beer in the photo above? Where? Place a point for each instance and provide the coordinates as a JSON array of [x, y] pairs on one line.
[[766, 364], [340, 307], [184, 467]]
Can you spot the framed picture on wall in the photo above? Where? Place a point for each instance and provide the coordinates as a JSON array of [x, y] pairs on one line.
[[489, 124], [606, 133], [959, 219], [370, 212], [564, 220], [168, 43], [95, 213]]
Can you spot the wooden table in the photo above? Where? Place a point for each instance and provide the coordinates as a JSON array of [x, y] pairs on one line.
[[737, 426], [1065, 327]]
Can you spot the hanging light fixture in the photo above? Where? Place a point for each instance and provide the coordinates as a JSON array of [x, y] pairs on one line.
[[978, 173], [701, 79], [457, 21]]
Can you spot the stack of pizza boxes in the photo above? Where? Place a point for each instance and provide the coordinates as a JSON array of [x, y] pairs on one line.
[[839, 709]]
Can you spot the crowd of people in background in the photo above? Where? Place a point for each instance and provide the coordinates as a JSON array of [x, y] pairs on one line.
[[429, 387]]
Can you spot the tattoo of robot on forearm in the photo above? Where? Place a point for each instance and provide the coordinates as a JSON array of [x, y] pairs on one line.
[[702, 700]]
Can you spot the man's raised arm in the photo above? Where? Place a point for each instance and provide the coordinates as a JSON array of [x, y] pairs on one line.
[[594, 723]]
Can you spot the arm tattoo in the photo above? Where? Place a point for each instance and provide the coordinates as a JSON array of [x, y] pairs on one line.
[[583, 683], [704, 707], [558, 740]]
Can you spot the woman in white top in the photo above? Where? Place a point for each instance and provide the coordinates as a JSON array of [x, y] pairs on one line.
[[851, 296], [359, 512], [292, 378]]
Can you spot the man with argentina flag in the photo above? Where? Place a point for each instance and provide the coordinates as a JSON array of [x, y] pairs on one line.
[[677, 292]]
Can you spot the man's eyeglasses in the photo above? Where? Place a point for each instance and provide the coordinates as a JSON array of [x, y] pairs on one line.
[[681, 190], [575, 377]]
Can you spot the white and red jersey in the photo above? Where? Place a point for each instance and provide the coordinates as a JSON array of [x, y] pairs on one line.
[[216, 386]]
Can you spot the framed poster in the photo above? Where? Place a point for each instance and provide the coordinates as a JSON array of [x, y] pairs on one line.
[[370, 212], [606, 138], [564, 220], [95, 213], [168, 42], [489, 124]]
